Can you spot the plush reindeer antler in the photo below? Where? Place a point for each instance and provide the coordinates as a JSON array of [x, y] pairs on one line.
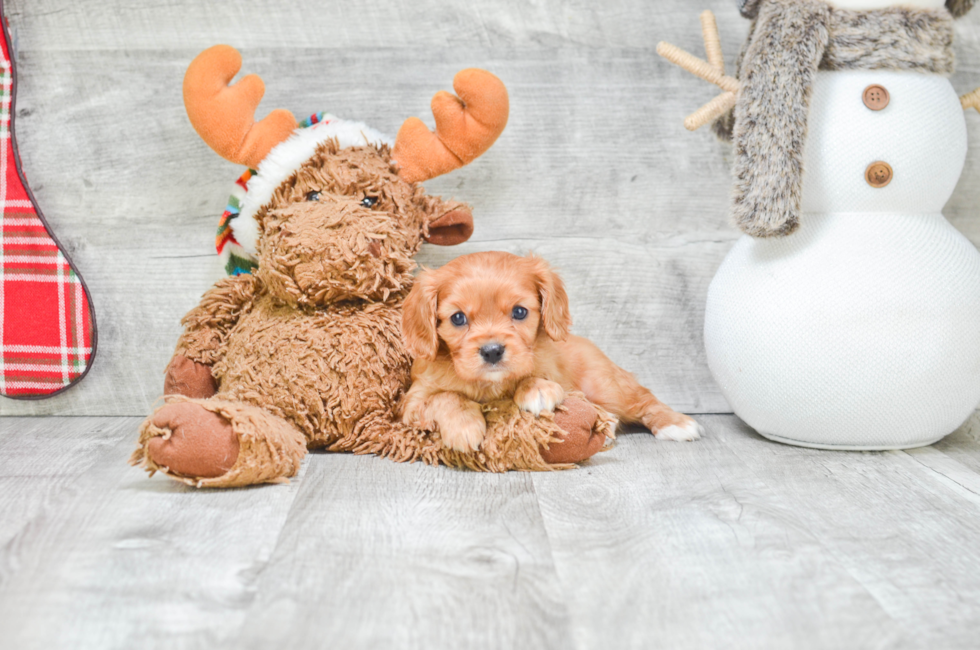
[[466, 126], [224, 116], [712, 70], [971, 100]]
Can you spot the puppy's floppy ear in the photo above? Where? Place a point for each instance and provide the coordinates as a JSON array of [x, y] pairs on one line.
[[555, 317], [419, 317]]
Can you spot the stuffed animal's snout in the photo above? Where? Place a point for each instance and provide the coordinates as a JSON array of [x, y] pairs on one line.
[[334, 246]]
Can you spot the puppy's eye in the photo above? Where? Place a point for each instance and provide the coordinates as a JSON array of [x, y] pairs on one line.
[[313, 196], [369, 201], [458, 319], [519, 313]]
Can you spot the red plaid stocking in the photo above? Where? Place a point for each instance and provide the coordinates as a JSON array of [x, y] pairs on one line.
[[47, 326]]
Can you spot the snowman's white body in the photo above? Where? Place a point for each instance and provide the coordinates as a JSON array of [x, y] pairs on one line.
[[862, 329]]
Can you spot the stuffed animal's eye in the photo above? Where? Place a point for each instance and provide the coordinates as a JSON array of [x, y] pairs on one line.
[[519, 313], [313, 196], [369, 201], [458, 319]]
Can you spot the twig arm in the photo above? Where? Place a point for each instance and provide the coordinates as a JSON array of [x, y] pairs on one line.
[[712, 71], [971, 100], [697, 66], [712, 41], [710, 111]]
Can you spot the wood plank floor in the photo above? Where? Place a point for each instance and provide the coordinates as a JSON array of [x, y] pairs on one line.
[[730, 542]]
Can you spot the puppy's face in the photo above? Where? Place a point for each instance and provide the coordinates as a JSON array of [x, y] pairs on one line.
[[486, 312], [489, 324]]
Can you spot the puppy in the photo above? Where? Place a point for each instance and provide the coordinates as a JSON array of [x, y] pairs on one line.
[[492, 325]]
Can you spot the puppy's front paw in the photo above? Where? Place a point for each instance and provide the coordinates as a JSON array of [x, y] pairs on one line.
[[684, 430], [538, 396], [463, 430]]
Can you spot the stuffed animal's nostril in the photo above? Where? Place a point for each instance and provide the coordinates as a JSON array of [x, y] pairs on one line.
[[492, 352]]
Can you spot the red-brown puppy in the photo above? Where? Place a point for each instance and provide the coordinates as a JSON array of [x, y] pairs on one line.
[[492, 325]]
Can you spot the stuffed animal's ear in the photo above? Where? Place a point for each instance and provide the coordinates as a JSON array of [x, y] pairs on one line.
[[750, 8], [451, 228], [555, 316], [959, 7], [419, 318]]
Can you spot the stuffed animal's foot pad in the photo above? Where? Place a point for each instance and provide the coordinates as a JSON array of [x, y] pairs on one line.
[[684, 431], [580, 440], [200, 443], [539, 396], [188, 378]]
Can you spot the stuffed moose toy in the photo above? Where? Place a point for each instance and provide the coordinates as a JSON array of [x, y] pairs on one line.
[[301, 347]]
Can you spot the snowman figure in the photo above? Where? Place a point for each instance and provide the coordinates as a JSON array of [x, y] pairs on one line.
[[848, 315]]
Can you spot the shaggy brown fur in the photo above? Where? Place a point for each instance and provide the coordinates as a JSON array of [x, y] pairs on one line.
[[334, 248], [789, 41], [308, 352]]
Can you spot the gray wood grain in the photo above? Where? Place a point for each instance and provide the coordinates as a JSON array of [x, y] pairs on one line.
[[730, 542], [902, 524], [960, 452], [595, 170], [123, 25], [381, 555], [94, 554], [689, 545]]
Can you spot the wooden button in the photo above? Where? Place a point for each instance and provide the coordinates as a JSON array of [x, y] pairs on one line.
[[879, 174], [876, 97]]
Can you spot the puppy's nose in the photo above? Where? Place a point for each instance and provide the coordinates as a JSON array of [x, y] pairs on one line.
[[492, 352]]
